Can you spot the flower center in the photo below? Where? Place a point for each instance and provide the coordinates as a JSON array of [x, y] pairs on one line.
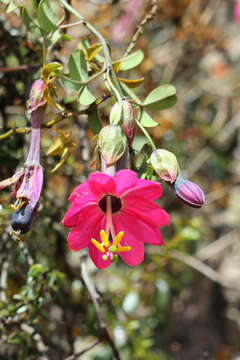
[[115, 203], [110, 248]]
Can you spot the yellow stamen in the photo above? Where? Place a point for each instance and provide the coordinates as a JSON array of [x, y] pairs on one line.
[[18, 204], [98, 246], [124, 248], [118, 238], [104, 238]]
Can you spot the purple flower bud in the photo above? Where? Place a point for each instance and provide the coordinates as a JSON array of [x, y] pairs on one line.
[[36, 97], [128, 123], [189, 192]]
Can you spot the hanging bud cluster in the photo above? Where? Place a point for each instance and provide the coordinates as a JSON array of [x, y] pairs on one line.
[[166, 166]]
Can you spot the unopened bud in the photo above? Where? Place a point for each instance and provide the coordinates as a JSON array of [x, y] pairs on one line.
[[128, 124], [165, 164], [116, 113], [36, 98], [189, 192], [112, 143]]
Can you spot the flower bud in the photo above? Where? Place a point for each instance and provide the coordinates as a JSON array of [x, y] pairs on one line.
[[112, 143], [128, 120], [116, 113], [36, 97], [189, 192], [165, 164]]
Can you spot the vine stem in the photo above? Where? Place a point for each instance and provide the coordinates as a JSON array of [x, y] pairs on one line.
[[108, 60], [146, 134]]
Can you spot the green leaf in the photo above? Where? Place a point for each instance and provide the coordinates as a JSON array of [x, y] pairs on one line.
[[147, 121], [28, 22], [162, 104], [160, 93], [86, 97], [139, 142], [77, 68], [130, 61], [46, 16], [93, 120]]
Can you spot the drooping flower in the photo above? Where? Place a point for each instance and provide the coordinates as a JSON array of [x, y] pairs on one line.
[[115, 215], [28, 180]]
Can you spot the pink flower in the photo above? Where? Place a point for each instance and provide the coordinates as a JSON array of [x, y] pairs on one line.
[[114, 216], [237, 12]]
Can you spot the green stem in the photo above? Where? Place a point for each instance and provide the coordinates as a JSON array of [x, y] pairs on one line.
[[146, 134], [108, 60]]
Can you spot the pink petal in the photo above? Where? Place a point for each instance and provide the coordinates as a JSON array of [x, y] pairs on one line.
[[144, 189], [125, 179], [76, 215], [136, 255], [147, 211], [142, 231], [101, 184], [82, 193], [95, 254], [80, 236]]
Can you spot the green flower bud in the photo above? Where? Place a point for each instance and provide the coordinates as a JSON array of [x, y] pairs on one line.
[[116, 113], [112, 143], [165, 164]]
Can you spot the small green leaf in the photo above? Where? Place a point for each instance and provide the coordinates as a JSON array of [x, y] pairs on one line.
[[28, 22], [86, 97], [147, 121], [130, 61], [139, 142], [160, 93], [77, 68], [93, 120], [162, 104], [46, 16]]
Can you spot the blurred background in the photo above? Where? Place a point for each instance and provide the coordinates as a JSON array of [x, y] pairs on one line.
[[182, 303]]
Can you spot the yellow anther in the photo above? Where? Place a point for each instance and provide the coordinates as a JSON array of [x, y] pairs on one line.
[[98, 246], [18, 204], [118, 238], [124, 248], [104, 238]]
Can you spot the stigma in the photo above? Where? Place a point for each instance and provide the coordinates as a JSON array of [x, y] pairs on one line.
[[110, 248]]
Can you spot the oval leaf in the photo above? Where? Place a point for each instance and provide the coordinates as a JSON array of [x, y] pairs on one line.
[[47, 18], [86, 97], [147, 121], [129, 61], [162, 104], [160, 93]]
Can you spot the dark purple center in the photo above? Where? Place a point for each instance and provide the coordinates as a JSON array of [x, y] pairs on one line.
[[115, 201]]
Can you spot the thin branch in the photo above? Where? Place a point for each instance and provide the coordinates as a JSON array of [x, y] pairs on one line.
[[140, 27], [91, 346], [104, 332], [197, 265], [19, 68]]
